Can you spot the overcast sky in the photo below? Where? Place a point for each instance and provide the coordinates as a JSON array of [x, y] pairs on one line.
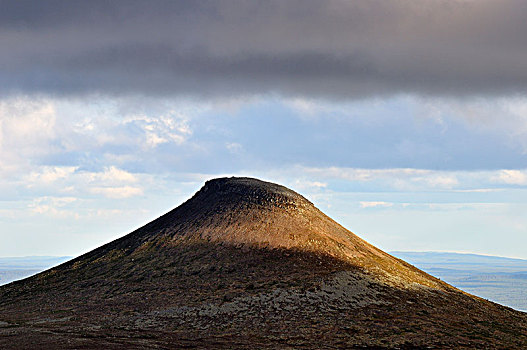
[[406, 121]]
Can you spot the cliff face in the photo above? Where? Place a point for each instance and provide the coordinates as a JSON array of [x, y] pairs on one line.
[[246, 263]]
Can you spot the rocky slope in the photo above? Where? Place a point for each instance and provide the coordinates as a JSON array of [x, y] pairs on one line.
[[246, 263]]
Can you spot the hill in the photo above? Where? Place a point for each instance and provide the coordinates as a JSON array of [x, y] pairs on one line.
[[247, 264]]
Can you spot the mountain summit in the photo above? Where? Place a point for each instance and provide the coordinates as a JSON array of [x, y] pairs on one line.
[[246, 263], [250, 213]]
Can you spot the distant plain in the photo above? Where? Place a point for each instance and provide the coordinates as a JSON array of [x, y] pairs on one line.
[[502, 280]]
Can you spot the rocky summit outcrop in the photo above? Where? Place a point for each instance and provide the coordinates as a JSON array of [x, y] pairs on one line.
[[247, 264]]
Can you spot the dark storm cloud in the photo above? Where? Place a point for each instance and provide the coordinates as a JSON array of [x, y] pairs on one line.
[[333, 49]]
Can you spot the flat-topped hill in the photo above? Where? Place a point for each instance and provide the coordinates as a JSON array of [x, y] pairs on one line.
[[246, 263]]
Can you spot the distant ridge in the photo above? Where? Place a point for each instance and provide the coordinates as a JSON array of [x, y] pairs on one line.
[[247, 264], [36, 261], [500, 279], [458, 255], [15, 268]]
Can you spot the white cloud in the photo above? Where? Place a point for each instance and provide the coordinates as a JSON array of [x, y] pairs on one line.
[[305, 184], [234, 147], [504, 116], [27, 130], [438, 181], [48, 175], [27, 120], [111, 182], [171, 126], [462, 206], [54, 206], [402, 178], [317, 109], [55, 201], [356, 174], [511, 177], [375, 204], [78, 132], [479, 190], [405, 179], [118, 192], [305, 107], [153, 139], [111, 175]]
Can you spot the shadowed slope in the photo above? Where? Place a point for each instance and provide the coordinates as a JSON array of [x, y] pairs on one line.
[[246, 263], [246, 212]]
